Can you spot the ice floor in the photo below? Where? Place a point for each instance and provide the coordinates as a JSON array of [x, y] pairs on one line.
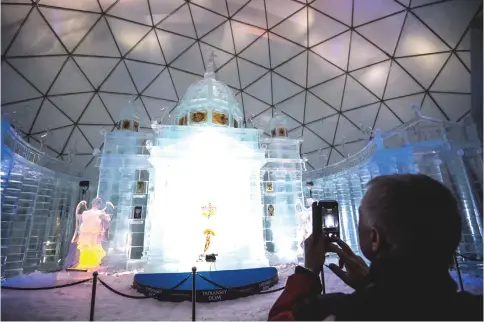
[[72, 303]]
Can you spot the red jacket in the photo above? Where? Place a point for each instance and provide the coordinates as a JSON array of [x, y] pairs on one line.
[[302, 284]]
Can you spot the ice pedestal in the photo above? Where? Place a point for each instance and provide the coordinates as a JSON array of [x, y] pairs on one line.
[[199, 167]]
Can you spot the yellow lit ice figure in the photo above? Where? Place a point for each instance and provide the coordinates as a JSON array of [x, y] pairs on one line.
[[208, 211], [92, 226]]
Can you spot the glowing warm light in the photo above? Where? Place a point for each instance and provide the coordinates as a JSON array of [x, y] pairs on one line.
[[207, 201], [91, 227]]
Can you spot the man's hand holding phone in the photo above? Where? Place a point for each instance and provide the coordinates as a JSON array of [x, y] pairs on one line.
[[315, 249], [356, 270]]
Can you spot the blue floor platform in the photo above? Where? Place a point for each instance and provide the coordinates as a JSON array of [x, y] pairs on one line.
[[229, 284]]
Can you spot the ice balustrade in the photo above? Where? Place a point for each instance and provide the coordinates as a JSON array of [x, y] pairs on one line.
[[446, 151], [38, 194]]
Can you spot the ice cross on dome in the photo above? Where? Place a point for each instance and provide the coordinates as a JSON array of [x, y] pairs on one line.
[[211, 67]]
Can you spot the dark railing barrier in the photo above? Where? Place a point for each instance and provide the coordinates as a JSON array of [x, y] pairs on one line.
[[194, 292], [93, 295]]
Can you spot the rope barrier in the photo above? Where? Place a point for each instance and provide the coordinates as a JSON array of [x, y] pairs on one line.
[[140, 297], [240, 291], [473, 257], [45, 288]]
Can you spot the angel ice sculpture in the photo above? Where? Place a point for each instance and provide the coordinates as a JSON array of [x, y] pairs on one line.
[[92, 226]]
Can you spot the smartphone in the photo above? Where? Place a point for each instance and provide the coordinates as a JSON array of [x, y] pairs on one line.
[[325, 218]]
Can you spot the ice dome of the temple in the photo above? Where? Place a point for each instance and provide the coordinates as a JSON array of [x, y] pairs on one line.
[[208, 102], [278, 125], [128, 118]]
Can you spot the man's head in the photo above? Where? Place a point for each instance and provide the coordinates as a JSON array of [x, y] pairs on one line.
[[409, 216]]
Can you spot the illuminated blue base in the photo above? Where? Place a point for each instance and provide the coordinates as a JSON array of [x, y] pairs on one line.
[[235, 283]]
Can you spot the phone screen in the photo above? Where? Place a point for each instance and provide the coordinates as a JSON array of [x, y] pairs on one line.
[[330, 217]]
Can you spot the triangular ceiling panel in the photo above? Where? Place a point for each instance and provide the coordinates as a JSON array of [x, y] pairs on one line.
[[229, 74], [323, 27], [148, 49], [77, 142], [249, 72], [331, 91], [356, 95], [253, 107], [340, 10], [335, 50], [437, 18], [295, 133], [261, 88], [162, 87], [320, 70], [365, 11], [218, 6], [374, 77], [316, 109], [55, 139], [311, 142], [134, 10], [40, 71], [384, 33], [180, 21], [72, 105], [191, 61], [93, 134], [221, 38], [98, 42], [325, 129], [363, 117], [182, 80], [295, 69], [281, 49], [345, 131], [453, 78], [205, 20], [386, 120], [430, 109], [351, 148], [173, 45], [465, 43], [253, 14], [70, 80], [455, 106], [96, 113], [143, 74], [49, 118], [96, 69], [35, 38], [364, 53], [159, 109], [283, 88], [79, 24], [258, 52], [12, 18], [400, 83], [245, 35], [115, 103], [294, 106], [335, 157], [14, 87], [85, 5], [126, 34], [277, 10], [119, 81], [23, 114], [424, 68], [221, 57], [466, 58], [161, 10], [404, 107], [294, 28], [416, 39], [235, 6]]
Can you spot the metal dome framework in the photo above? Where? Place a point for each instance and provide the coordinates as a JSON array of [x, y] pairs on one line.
[[333, 67]]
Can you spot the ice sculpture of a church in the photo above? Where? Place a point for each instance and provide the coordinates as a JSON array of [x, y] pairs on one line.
[[201, 186]]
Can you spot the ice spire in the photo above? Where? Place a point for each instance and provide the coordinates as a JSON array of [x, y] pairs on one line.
[[210, 71]]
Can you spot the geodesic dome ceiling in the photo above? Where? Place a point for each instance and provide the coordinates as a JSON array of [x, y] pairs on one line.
[[334, 67]]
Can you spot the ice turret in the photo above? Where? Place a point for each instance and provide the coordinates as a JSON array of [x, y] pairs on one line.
[[208, 102], [278, 126], [128, 118]]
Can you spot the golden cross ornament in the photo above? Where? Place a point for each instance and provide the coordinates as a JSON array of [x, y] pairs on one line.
[[208, 211]]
